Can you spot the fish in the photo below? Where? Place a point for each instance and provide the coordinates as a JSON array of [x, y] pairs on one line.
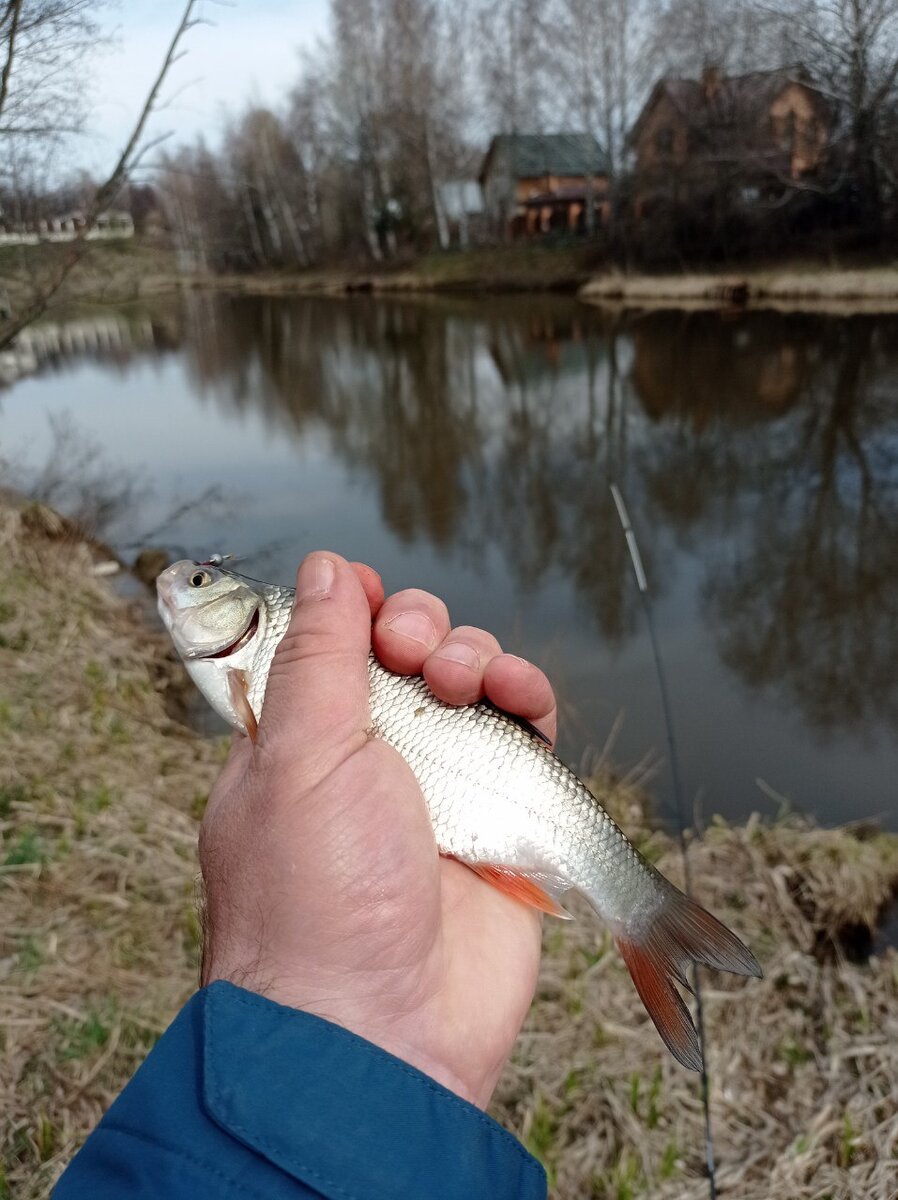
[[500, 800]]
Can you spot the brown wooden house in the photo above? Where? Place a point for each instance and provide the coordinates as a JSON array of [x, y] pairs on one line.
[[749, 137], [539, 183]]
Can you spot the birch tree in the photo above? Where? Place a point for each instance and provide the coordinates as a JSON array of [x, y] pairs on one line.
[[604, 66]]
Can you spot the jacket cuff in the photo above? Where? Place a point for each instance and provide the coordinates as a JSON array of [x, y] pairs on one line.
[[244, 1099], [346, 1117]]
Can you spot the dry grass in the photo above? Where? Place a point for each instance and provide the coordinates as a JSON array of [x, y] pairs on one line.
[[816, 288], [803, 1064], [110, 273], [99, 795], [99, 936]]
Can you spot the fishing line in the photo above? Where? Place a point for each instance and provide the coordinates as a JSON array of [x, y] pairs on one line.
[[642, 585]]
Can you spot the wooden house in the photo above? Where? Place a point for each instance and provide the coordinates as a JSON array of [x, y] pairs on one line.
[[751, 136], [534, 184]]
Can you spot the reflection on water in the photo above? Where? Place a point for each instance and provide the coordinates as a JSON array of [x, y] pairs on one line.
[[470, 445]]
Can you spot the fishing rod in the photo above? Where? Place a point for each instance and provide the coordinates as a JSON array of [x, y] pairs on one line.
[[643, 588]]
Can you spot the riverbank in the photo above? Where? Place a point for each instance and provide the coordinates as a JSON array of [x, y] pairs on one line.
[[110, 273], [119, 272], [572, 270], [101, 789], [816, 289]]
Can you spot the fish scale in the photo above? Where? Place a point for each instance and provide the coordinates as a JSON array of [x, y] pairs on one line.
[[486, 783], [498, 798]]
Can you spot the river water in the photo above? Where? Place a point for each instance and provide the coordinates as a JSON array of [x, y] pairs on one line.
[[467, 446]]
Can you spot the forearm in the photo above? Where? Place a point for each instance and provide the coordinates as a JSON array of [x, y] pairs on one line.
[[244, 1096]]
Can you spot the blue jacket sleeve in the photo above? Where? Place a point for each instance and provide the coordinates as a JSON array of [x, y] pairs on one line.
[[242, 1097]]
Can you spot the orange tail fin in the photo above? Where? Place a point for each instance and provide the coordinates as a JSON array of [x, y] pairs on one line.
[[680, 934]]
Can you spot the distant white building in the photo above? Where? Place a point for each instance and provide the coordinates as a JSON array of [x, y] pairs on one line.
[[462, 203], [112, 225]]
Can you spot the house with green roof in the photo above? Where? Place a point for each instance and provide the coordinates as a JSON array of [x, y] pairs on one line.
[[540, 183]]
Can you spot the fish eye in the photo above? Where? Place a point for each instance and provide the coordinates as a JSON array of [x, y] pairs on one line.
[[200, 578]]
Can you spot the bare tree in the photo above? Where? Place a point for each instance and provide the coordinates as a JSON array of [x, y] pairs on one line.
[[687, 36], [41, 42], [516, 94], [45, 288], [604, 65], [851, 47]]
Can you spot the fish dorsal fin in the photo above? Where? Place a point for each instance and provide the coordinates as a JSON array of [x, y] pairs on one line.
[[522, 722]]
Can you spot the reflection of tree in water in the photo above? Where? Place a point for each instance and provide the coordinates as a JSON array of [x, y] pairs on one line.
[[377, 377], [805, 591], [503, 423], [476, 431]]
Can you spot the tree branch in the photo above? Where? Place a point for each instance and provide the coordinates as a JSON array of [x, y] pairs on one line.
[[105, 195], [15, 9]]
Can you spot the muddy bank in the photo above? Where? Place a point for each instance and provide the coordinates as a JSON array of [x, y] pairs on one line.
[[100, 794]]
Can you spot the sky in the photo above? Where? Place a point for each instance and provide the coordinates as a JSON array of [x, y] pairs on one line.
[[249, 51]]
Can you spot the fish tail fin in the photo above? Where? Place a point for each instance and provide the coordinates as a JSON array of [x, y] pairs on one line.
[[680, 933]]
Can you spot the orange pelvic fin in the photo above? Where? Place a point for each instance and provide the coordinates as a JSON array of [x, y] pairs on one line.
[[238, 688], [536, 888], [681, 933]]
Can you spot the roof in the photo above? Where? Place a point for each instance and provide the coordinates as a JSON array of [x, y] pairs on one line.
[[530, 155], [712, 100]]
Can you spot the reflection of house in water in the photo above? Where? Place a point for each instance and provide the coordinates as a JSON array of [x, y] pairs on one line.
[[547, 344], [705, 366], [107, 337]]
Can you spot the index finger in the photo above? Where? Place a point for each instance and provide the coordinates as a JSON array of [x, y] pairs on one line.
[[373, 585]]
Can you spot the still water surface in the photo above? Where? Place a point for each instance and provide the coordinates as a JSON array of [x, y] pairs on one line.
[[467, 446]]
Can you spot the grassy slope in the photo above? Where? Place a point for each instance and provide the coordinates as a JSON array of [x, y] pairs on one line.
[[111, 272], [99, 796]]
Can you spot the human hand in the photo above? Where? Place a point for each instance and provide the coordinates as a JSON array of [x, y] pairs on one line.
[[324, 888]]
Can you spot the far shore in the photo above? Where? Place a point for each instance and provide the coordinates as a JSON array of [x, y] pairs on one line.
[[792, 288], [133, 270]]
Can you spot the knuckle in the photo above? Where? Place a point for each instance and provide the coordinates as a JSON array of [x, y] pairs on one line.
[[303, 644]]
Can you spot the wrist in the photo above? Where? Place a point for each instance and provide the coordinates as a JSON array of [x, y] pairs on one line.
[[410, 1038]]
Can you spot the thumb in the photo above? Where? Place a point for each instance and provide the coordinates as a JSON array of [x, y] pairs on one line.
[[315, 713]]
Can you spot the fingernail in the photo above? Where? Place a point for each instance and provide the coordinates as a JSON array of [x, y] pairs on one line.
[[416, 626], [316, 575], [459, 652]]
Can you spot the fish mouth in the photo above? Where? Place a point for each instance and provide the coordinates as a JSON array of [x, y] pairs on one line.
[[245, 638]]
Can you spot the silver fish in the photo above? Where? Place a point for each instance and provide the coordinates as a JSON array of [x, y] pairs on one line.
[[499, 799]]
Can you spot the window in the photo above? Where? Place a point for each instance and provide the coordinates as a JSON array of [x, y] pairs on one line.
[[783, 130], [664, 140]]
